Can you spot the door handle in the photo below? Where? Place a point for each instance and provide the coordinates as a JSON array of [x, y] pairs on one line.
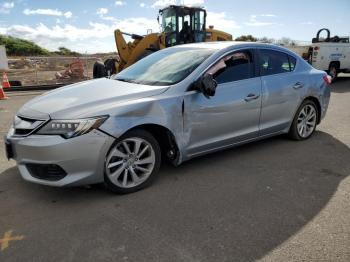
[[251, 97], [298, 85]]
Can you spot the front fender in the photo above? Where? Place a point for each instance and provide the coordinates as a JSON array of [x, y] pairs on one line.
[[165, 112]]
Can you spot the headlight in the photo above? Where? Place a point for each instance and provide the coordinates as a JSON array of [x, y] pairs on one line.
[[71, 128]]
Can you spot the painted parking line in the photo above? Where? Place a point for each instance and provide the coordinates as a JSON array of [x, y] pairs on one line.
[[5, 241]]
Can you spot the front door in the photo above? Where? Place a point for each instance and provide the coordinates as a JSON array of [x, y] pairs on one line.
[[232, 114]]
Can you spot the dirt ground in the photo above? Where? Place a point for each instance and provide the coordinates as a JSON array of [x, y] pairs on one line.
[[42, 70]]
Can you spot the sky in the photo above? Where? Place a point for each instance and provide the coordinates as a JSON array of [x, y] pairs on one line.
[[88, 26]]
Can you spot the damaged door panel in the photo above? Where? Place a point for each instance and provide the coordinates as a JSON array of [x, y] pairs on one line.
[[226, 118], [232, 114]]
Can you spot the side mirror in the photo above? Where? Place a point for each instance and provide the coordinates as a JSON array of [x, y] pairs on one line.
[[207, 85]]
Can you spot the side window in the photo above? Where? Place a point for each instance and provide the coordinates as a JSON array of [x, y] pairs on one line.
[[236, 66], [273, 62], [292, 62]]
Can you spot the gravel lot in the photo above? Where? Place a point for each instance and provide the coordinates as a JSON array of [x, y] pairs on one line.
[[274, 200]]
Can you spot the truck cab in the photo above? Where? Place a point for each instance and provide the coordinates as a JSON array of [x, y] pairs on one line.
[[182, 24]]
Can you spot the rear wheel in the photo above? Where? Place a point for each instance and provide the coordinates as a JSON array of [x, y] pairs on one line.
[[305, 121], [333, 71], [132, 162]]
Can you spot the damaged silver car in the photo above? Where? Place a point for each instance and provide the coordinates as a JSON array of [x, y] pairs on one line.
[[175, 104]]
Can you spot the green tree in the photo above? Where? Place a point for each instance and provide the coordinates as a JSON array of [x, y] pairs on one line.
[[19, 47], [246, 38], [266, 40], [66, 52], [285, 41]]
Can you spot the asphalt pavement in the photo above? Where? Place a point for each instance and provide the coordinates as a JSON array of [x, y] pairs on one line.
[[273, 200]]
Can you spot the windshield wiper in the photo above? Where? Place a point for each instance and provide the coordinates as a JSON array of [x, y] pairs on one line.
[[124, 80], [128, 80], [150, 83]]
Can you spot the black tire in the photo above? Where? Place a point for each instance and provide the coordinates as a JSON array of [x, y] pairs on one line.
[[333, 71], [15, 83], [293, 131], [136, 133], [110, 66]]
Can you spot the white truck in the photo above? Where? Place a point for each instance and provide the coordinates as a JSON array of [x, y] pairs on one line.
[[331, 54]]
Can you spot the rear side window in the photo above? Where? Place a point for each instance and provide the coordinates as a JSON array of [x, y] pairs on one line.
[[273, 62], [233, 67]]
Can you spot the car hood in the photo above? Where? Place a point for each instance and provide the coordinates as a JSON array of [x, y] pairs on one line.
[[73, 100]]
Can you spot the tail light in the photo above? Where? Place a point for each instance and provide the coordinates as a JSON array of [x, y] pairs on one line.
[[327, 79], [316, 48]]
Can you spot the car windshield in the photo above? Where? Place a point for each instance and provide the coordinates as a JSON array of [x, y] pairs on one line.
[[166, 67]]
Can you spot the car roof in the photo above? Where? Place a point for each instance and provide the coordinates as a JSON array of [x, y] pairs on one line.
[[219, 45]]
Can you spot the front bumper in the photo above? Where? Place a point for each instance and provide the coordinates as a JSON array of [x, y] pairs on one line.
[[82, 157]]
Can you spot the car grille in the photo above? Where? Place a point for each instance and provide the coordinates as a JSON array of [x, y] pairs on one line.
[[50, 172], [24, 126]]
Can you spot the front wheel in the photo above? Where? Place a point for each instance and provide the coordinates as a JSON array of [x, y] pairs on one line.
[[305, 121], [133, 162]]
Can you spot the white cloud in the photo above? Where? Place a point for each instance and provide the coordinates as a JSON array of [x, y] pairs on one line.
[[193, 2], [268, 15], [109, 18], [96, 37], [102, 11], [5, 7], [254, 20], [163, 3], [307, 23], [221, 21], [8, 5], [42, 12], [50, 12], [142, 4], [120, 3], [68, 14]]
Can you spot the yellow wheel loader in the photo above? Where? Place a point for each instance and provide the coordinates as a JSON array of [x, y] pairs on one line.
[[180, 25]]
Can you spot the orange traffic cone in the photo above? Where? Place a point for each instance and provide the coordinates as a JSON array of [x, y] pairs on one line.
[[2, 94], [5, 81]]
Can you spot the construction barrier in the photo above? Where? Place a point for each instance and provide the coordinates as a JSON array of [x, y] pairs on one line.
[[2, 94], [5, 81]]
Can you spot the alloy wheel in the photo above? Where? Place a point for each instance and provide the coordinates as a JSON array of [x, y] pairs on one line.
[[130, 162], [306, 122]]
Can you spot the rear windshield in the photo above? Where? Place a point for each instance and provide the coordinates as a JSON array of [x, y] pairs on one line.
[[165, 67]]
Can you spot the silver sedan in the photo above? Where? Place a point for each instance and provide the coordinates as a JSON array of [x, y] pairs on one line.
[[176, 104]]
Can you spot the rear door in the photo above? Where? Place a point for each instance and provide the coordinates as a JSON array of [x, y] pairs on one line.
[[232, 114], [281, 90]]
